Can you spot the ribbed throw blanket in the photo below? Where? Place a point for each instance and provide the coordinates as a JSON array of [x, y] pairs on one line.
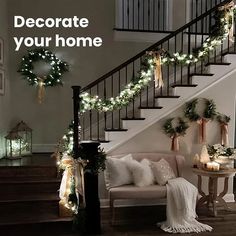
[[181, 205]]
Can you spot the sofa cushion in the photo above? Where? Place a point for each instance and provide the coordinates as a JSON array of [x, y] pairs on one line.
[[141, 172], [170, 158], [117, 172], [162, 171], [134, 192]]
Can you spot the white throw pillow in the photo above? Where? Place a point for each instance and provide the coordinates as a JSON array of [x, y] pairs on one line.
[[117, 172], [162, 171], [142, 172]]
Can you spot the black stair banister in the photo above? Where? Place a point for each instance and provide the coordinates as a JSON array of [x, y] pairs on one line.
[[109, 85]]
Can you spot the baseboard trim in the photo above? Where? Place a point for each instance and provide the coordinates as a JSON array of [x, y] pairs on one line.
[[43, 148]]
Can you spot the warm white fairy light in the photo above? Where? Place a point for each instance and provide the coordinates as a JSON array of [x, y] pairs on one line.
[[132, 89]]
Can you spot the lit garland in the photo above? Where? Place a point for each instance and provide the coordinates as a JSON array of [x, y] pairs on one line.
[[73, 170], [219, 33], [58, 67]]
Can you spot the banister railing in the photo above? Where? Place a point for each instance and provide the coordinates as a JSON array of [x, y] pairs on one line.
[[156, 15], [183, 40]]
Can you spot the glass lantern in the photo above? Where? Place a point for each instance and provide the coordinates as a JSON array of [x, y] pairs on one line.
[[25, 132], [13, 145]]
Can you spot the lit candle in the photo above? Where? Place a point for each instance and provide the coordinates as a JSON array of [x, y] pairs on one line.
[[213, 166]]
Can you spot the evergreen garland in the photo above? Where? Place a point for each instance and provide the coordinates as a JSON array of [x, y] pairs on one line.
[[179, 130], [58, 67]]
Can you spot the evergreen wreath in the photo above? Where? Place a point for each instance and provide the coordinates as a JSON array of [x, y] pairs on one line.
[[58, 67], [221, 118], [179, 130], [208, 113]]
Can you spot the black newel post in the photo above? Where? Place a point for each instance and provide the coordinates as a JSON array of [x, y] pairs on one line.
[[93, 218], [90, 150]]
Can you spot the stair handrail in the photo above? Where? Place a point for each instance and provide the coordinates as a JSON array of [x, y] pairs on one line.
[[154, 46]]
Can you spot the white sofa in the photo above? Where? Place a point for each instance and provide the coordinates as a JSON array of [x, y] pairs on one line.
[[149, 192]]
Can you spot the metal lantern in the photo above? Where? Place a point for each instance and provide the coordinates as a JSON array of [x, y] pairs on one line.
[[13, 145], [25, 132]]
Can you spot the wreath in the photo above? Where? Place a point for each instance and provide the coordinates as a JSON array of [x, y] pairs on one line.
[[53, 78], [208, 113], [223, 121], [175, 132]]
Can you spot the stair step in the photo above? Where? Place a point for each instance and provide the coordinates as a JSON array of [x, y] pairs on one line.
[[27, 209], [133, 119], [230, 53], [151, 107], [218, 63], [28, 198], [27, 187], [184, 85], [201, 74], [116, 130], [30, 171], [167, 96]]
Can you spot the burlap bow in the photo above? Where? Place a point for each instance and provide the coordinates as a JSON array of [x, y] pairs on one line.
[[202, 130], [175, 143], [41, 90], [224, 134]]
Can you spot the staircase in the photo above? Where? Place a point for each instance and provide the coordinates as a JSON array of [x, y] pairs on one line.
[[181, 83], [29, 198]]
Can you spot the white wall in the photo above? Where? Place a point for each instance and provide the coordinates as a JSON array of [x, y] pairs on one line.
[[5, 99], [154, 139], [50, 119]]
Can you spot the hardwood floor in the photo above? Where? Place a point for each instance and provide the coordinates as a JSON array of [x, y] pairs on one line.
[[129, 221]]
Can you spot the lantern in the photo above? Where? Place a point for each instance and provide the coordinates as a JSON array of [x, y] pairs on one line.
[[13, 145], [25, 132]]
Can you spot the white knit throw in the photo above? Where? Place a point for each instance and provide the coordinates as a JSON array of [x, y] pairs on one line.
[[181, 205]]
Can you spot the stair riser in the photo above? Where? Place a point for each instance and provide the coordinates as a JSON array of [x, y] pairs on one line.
[[46, 171], [28, 209], [29, 188]]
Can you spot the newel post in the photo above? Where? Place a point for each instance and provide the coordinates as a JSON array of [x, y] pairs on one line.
[[76, 124]]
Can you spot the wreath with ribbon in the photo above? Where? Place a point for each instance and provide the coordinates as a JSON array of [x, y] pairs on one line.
[[53, 78], [209, 113], [175, 132], [223, 121]]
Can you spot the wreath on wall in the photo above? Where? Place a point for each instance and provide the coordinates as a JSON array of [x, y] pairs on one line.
[[223, 121], [174, 132], [53, 78], [209, 113]]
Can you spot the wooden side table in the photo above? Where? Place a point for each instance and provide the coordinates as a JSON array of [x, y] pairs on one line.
[[213, 198]]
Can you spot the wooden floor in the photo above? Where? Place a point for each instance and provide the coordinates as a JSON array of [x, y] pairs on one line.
[[130, 221]]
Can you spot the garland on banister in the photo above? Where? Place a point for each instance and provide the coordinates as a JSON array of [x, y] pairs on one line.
[[153, 60]]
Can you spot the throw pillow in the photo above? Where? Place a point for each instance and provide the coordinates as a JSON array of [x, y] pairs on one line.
[[162, 171], [117, 172], [141, 172]]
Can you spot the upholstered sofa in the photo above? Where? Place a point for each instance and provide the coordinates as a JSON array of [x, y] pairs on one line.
[[154, 191]]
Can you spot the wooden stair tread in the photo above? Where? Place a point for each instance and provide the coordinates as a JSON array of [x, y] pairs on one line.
[[133, 119], [29, 198], [158, 107], [183, 85], [34, 219], [116, 130], [201, 74], [218, 63], [24, 180], [167, 96], [230, 53]]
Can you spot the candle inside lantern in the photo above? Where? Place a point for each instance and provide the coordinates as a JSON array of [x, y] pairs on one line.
[[213, 166]]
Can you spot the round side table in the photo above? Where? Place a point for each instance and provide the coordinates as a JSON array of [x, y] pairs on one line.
[[213, 198]]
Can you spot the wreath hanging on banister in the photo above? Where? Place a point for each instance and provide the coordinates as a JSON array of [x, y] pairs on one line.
[[175, 132], [209, 113], [53, 78]]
